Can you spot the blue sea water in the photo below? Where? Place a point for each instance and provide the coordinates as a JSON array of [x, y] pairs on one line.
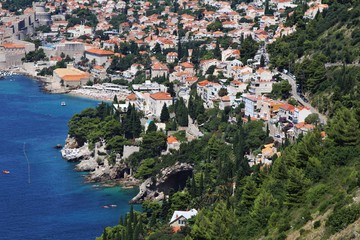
[[56, 204]]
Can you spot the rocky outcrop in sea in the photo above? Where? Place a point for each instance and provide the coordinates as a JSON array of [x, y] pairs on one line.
[[96, 162], [156, 188]]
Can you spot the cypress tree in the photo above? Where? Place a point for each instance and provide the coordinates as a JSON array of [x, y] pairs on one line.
[[129, 230], [267, 9], [201, 185], [133, 124], [157, 48], [121, 221], [180, 51], [152, 127], [127, 122], [115, 101], [181, 113], [131, 214], [262, 61], [193, 187], [135, 220], [140, 227], [126, 220], [136, 232], [217, 51], [164, 116], [171, 90]]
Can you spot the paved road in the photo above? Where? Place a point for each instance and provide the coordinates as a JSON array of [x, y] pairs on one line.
[[292, 81], [341, 64]]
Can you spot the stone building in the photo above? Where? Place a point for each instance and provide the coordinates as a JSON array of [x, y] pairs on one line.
[[71, 77]]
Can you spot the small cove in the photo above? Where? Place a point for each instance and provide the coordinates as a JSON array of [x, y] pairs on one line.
[[56, 204]]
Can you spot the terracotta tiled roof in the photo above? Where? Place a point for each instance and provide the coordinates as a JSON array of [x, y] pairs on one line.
[[302, 125], [71, 74], [99, 67], [12, 45], [131, 97], [190, 79], [97, 51], [161, 96], [172, 139], [187, 65], [225, 99], [159, 66], [74, 77], [287, 107], [203, 83]]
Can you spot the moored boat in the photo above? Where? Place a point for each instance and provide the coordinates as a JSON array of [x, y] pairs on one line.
[[6, 171], [58, 146]]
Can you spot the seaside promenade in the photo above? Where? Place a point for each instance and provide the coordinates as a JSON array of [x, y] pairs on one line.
[[52, 86]]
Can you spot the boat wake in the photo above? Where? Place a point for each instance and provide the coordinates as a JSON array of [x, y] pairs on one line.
[[27, 159]]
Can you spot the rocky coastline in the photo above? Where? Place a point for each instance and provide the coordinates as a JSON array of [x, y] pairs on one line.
[[98, 166], [120, 174]]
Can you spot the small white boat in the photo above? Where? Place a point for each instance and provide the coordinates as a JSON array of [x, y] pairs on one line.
[[63, 104]]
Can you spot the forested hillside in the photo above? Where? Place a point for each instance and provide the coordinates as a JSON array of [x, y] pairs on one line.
[[313, 178], [312, 190], [324, 55]]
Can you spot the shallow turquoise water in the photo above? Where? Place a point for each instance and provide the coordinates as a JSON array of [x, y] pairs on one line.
[[56, 204]]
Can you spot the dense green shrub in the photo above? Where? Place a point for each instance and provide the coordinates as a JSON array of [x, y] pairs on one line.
[[342, 217]]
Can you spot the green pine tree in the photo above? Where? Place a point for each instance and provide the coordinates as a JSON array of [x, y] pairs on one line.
[[164, 116]]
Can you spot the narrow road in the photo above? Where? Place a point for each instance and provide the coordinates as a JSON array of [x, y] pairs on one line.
[[292, 81], [341, 64]]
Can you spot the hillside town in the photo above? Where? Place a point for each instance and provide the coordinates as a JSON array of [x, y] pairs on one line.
[[153, 53]]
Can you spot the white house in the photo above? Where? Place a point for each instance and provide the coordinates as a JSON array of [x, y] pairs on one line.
[[180, 218], [172, 143], [251, 107], [302, 128], [208, 91], [259, 87], [226, 101], [300, 113], [286, 112], [157, 101], [230, 65], [159, 70], [100, 56], [264, 74], [79, 30], [235, 53]]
